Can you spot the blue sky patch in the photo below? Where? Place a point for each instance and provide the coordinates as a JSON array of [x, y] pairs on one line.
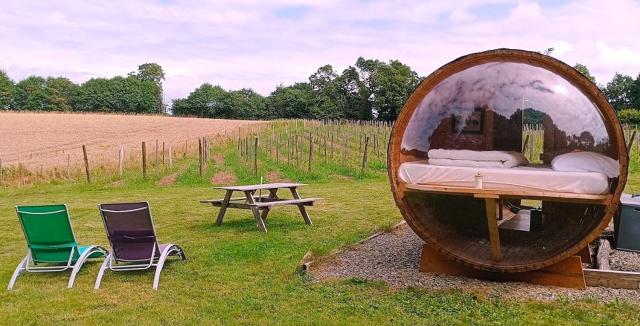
[[297, 11]]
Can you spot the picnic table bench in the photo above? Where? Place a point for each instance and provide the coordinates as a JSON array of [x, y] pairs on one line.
[[261, 204]]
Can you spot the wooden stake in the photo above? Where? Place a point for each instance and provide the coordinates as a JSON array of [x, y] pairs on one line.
[[365, 154], [255, 156], [200, 157], [144, 160], [86, 163], [121, 160], [346, 149], [297, 147], [332, 146], [246, 149], [1, 176], [633, 136], [310, 152], [288, 148], [156, 159], [278, 149], [525, 144], [162, 153], [325, 149], [170, 156]]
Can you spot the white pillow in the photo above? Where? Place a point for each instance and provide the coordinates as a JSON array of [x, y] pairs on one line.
[[586, 161]]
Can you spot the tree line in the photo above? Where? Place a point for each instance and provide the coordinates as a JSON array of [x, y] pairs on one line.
[[368, 89], [139, 92]]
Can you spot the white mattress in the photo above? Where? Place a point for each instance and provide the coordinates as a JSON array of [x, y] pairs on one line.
[[522, 177]]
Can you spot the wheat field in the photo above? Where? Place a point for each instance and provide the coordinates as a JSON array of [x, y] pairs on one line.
[[50, 140]]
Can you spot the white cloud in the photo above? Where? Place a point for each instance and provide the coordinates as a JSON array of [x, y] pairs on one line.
[[251, 43]]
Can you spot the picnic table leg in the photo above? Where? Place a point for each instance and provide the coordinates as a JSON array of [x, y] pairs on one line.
[[273, 194], [255, 211], [303, 211], [223, 207], [265, 212]]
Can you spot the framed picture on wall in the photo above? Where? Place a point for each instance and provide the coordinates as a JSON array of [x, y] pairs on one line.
[[468, 121]]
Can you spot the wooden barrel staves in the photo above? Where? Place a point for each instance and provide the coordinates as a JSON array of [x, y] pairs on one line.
[[482, 102]]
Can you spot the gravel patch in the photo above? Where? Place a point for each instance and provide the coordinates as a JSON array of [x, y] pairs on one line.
[[394, 257], [624, 261]]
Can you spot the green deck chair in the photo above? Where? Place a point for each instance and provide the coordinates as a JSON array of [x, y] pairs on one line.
[[52, 246]]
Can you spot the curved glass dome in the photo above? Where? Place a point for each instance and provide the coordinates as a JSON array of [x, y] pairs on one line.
[[487, 106]]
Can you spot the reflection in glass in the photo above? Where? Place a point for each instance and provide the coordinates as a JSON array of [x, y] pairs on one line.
[[491, 106]]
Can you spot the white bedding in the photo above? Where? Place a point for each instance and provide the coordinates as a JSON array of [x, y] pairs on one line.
[[523, 177], [463, 157]]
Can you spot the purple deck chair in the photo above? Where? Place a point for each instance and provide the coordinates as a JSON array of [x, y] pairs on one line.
[[133, 240]]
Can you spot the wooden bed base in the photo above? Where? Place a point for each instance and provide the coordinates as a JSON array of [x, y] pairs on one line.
[[567, 273]]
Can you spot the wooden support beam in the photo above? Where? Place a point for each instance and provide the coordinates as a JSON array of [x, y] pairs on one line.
[[567, 273], [492, 224], [612, 279]]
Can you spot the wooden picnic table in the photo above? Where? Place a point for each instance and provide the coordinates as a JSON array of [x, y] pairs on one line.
[[261, 204]]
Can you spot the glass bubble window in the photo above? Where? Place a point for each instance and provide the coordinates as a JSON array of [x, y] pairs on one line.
[[491, 106]]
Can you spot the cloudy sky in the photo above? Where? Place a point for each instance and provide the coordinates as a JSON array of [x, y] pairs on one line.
[[260, 44]]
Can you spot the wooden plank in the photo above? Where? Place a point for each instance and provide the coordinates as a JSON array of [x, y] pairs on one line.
[[492, 224], [259, 205], [305, 201], [262, 186], [612, 279], [218, 201], [503, 193], [567, 273]]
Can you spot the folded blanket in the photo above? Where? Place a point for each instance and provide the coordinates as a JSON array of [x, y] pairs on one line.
[[455, 157]]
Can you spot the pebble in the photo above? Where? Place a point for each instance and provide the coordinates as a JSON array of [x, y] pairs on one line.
[[393, 258]]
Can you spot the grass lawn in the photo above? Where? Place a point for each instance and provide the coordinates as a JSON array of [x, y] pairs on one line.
[[237, 275]]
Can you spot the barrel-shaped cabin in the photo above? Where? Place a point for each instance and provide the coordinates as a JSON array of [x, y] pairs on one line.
[[507, 161]]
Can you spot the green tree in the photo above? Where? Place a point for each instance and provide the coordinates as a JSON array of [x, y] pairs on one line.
[[6, 90], [629, 116], [118, 94], [247, 104], [619, 91], [31, 93], [354, 95], [585, 71], [61, 91], [392, 84], [95, 95], [327, 103], [292, 102], [152, 72], [206, 101], [635, 93]]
